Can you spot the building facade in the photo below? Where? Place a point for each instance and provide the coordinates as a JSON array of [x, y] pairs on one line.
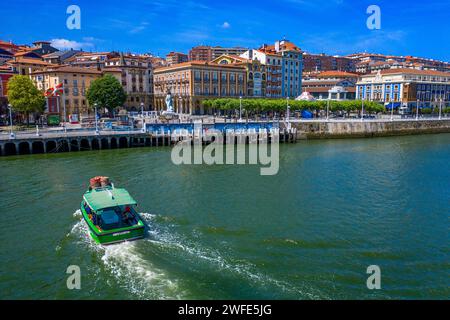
[[91, 59], [43, 47], [331, 85], [27, 62], [200, 53], [59, 57], [208, 53], [284, 63], [273, 65], [323, 62], [406, 87], [256, 73], [5, 74], [191, 82], [5, 55], [75, 80], [135, 73], [176, 57]]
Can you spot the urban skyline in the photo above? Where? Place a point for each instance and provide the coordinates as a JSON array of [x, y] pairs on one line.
[[335, 27]]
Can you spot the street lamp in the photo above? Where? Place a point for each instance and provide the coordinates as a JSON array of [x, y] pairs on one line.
[[142, 115], [11, 133], [328, 109], [440, 109], [287, 109], [392, 110], [240, 109], [362, 109], [96, 123], [417, 109]]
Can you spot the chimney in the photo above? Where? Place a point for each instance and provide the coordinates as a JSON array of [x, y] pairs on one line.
[[277, 46]]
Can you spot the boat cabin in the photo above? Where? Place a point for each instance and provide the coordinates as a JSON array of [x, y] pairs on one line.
[[110, 208]]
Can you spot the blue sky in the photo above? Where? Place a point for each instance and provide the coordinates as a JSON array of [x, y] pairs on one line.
[[419, 28]]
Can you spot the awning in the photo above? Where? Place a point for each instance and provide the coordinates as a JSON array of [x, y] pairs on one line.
[[108, 198], [306, 114], [394, 105]]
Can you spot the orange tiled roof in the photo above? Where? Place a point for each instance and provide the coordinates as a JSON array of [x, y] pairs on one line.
[[197, 63], [337, 74], [67, 69], [415, 71], [28, 61], [23, 52]]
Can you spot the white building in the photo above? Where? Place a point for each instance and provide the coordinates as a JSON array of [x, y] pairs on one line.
[[405, 87]]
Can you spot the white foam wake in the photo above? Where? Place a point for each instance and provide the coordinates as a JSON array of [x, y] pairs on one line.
[[128, 267], [242, 268]]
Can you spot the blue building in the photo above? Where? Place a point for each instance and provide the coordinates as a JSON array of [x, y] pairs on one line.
[[406, 88], [292, 68], [284, 62]]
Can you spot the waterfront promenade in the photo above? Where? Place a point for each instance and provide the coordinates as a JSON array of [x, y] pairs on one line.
[[163, 134]]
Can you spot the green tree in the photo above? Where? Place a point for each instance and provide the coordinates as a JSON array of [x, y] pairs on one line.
[[24, 97], [106, 92]]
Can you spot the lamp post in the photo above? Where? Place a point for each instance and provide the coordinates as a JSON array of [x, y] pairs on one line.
[[96, 123], [362, 109], [392, 110], [11, 133], [440, 109], [240, 109], [287, 109], [417, 109], [143, 118], [328, 109], [64, 106]]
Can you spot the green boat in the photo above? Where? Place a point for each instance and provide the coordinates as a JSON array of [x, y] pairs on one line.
[[110, 214]]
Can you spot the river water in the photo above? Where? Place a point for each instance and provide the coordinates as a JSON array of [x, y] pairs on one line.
[[225, 232]]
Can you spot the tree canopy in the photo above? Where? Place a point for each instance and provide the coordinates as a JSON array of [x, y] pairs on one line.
[[23, 96], [280, 105], [106, 92]]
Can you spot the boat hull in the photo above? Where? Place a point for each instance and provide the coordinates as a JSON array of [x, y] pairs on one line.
[[114, 236]]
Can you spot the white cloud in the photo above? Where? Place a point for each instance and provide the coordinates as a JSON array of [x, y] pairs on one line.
[[64, 44], [139, 28], [226, 25]]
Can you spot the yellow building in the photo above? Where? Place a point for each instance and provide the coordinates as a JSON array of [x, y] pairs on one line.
[[76, 81], [135, 73], [191, 82]]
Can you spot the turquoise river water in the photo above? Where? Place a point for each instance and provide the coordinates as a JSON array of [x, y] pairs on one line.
[[225, 232]]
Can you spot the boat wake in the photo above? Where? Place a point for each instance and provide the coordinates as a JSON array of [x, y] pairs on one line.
[[126, 264], [167, 239], [142, 279]]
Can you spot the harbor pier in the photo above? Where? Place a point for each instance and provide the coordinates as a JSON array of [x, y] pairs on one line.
[[77, 140]]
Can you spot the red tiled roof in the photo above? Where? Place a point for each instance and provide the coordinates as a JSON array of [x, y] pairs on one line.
[[415, 71], [67, 69], [337, 74], [28, 61], [197, 63]]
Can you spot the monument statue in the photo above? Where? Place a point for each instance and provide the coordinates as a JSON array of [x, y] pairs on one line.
[[169, 102]]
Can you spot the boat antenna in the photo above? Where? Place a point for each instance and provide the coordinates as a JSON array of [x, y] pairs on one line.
[[110, 193]]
